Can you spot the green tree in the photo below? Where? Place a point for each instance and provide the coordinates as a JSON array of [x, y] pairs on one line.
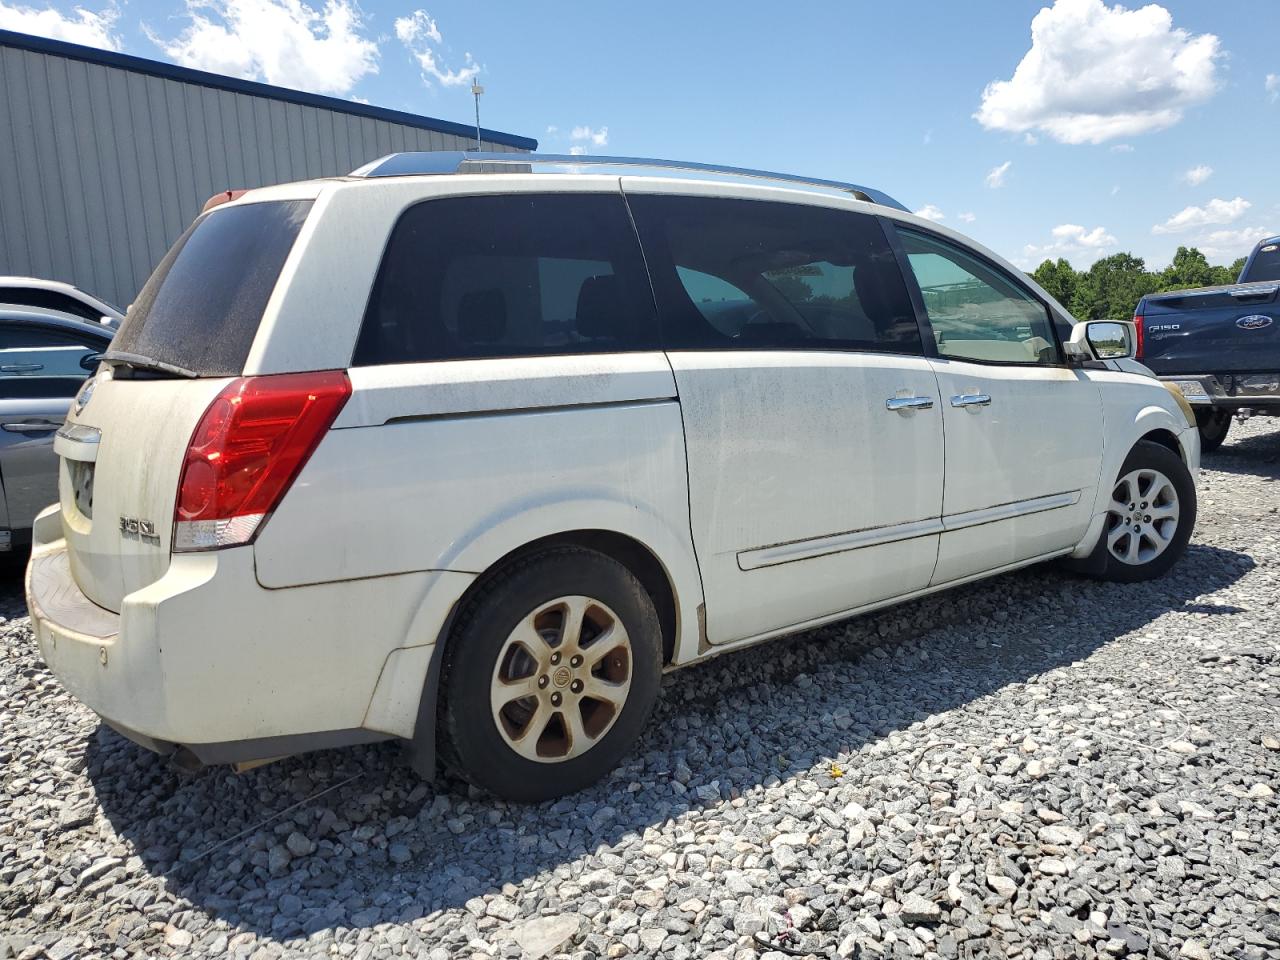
[[1058, 278], [1190, 268], [1112, 287], [1237, 268]]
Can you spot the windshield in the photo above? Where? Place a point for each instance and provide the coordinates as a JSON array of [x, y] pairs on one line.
[[201, 308]]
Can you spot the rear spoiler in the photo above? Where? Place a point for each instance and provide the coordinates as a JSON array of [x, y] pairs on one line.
[[218, 199]]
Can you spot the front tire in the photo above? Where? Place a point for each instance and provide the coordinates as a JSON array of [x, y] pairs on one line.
[[1150, 516], [1214, 425], [551, 673]]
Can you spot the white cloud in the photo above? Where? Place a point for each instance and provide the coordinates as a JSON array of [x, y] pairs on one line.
[[1095, 73], [1115, 189], [1272, 83], [966, 217], [1078, 244], [88, 27], [1198, 174], [930, 212], [928, 137], [578, 150], [1214, 212], [422, 36], [1227, 245], [995, 176], [552, 131], [597, 138], [284, 42], [1030, 139], [1122, 148]]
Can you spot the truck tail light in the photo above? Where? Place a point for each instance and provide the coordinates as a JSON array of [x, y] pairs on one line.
[[1138, 340], [246, 451]]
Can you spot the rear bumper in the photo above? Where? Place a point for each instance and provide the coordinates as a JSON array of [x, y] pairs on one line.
[[207, 661], [1261, 391]]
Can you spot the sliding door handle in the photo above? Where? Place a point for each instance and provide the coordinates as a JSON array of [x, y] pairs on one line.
[[971, 400], [909, 403]]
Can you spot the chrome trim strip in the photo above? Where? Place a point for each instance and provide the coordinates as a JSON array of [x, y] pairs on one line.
[[835, 543], [1007, 511], [814, 547]]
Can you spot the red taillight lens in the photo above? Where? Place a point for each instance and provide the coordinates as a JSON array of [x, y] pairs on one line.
[[246, 451], [1138, 336]]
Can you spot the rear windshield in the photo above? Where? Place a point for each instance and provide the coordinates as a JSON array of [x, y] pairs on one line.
[[201, 308], [1265, 264]]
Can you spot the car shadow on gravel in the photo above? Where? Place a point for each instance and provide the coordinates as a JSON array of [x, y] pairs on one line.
[[1255, 455], [262, 851]]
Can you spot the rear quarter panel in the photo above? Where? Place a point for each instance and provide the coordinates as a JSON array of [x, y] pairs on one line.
[[451, 466]]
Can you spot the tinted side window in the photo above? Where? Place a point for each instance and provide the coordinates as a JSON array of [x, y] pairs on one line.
[[753, 274], [507, 276], [36, 361], [976, 311], [201, 307], [49, 300]]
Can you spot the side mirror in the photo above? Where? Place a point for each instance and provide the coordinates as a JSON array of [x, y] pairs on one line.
[[90, 361], [1101, 340]]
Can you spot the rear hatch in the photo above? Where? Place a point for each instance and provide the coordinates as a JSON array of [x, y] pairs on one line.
[[1213, 330], [186, 337]]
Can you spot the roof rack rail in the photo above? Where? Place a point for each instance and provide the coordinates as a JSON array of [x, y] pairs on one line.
[[445, 162]]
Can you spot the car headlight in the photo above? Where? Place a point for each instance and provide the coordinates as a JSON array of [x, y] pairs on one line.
[[1182, 402]]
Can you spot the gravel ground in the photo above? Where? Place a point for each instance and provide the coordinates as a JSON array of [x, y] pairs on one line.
[[1038, 766]]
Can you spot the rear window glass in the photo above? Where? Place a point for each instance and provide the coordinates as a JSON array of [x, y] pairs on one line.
[[509, 276], [201, 308], [1265, 264]]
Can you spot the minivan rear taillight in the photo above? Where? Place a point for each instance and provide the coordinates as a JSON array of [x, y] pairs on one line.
[[246, 451]]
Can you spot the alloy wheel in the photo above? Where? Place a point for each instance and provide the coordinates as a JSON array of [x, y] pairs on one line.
[[1142, 519], [561, 679]]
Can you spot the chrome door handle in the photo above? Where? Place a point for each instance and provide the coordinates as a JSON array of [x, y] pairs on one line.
[[909, 403], [31, 426], [971, 400], [21, 367]]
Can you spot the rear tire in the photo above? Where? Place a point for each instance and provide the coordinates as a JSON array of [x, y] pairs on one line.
[[1214, 425], [551, 673], [1151, 514]]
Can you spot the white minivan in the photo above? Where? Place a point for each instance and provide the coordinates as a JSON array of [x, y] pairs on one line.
[[468, 459]]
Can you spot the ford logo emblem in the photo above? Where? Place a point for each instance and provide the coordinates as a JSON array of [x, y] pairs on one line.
[[1255, 322], [82, 398]]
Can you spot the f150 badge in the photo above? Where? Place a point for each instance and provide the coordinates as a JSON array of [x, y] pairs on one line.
[[1255, 322], [143, 530]]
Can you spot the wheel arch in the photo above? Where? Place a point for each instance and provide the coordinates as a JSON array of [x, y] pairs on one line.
[[657, 577]]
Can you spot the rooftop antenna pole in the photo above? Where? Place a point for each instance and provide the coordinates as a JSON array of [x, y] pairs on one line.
[[476, 91]]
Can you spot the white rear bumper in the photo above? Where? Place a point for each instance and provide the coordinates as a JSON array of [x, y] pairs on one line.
[[208, 659]]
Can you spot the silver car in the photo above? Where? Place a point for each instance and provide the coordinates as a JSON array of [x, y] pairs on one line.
[[45, 355]]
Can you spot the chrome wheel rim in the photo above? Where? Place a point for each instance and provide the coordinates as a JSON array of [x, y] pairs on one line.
[[1142, 519], [561, 679]]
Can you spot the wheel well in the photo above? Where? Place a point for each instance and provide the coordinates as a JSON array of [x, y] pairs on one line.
[[1166, 439], [629, 552]]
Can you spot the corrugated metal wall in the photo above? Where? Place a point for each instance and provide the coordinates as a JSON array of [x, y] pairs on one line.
[[102, 168]]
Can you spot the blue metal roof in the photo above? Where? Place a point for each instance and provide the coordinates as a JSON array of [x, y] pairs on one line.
[[168, 71], [445, 162]]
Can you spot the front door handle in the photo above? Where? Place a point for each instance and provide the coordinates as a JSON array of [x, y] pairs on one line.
[[21, 367], [909, 403], [32, 426], [971, 400]]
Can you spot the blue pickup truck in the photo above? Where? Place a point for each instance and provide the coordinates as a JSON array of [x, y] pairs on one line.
[[1220, 345]]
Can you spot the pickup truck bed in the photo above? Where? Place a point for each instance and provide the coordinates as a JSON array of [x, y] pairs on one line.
[[1220, 345]]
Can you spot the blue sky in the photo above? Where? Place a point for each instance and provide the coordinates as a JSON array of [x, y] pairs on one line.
[[1133, 128]]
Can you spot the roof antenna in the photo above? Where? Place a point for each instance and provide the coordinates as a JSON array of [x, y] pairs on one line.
[[476, 90]]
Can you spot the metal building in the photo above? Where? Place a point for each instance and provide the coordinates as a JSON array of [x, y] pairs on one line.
[[106, 158]]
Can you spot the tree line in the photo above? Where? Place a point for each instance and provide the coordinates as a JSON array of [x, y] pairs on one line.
[[1112, 287]]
